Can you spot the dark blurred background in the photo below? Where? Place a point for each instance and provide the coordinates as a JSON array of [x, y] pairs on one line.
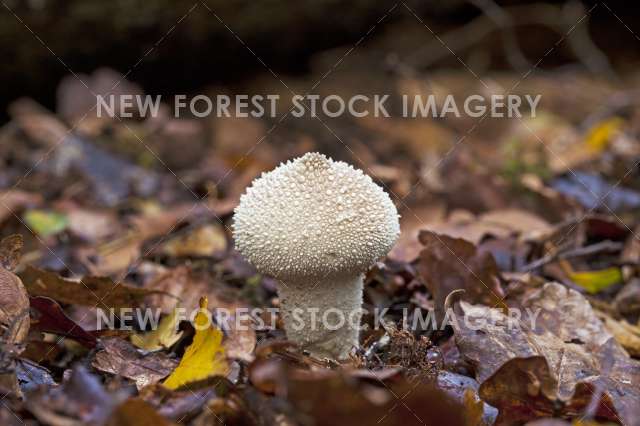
[[180, 46]]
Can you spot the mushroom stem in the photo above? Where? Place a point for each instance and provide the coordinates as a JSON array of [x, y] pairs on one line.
[[323, 316]]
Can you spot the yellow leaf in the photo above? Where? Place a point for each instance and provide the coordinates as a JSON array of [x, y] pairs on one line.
[[202, 241], [596, 281], [161, 338], [205, 356], [601, 134]]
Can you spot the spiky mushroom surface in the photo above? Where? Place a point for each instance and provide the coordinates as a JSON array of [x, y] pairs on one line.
[[314, 217], [316, 225]]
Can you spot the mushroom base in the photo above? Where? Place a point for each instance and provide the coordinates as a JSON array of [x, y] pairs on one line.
[[323, 316]]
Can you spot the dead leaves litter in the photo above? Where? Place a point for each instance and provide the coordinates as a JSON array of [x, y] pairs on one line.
[[205, 357]]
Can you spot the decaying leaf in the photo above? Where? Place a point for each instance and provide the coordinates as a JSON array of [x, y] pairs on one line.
[[497, 223], [555, 358], [331, 399], [49, 317], [80, 400], [163, 337], [120, 358], [15, 200], [596, 281], [447, 264], [136, 412], [627, 301], [205, 357], [11, 251], [464, 389], [101, 292], [205, 240], [626, 334], [14, 307], [31, 375]]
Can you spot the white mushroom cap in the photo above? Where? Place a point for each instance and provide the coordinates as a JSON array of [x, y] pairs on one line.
[[314, 217]]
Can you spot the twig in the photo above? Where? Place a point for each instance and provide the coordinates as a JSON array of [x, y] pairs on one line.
[[601, 247], [559, 19], [504, 20]]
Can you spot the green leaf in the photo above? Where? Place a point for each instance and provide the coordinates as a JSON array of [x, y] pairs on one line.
[[46, 223], [596, 281]]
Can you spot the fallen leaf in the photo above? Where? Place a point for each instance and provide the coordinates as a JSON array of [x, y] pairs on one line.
[[81, 399], [119, 357], [447, 264], [90, 225], [240, 338], [626, 334], [473, 408], [14, 201], [551, 366], [46, 223], [203, 241], [14, 307], [89, 291], [163, 337], [31, 375], [136, 412], [593, 192], [49, 317], [500, 223], [11, 251], [596, 281], [331, 399], [205, 356], [627, 301], [463, 389], [602, 133]]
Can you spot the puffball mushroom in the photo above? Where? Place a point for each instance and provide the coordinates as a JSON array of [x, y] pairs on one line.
[[316, 225]]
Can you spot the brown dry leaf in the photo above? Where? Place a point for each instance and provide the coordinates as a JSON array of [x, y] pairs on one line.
[[240, 337], [13, 201], [421, 137], [116, 256], [530, 370], [407, 248], [121, 358], [626, 334], [627, 301], [203, 241], [474, 408], [331, 399], [81, 399], [11, 251], [497, 223], [163, 337], [14, 308], [136, 412], [176, 281], [447, 264], [464, 389], [526, 224], [112, 258], [91, 225], [90, 291], [186, 287]]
